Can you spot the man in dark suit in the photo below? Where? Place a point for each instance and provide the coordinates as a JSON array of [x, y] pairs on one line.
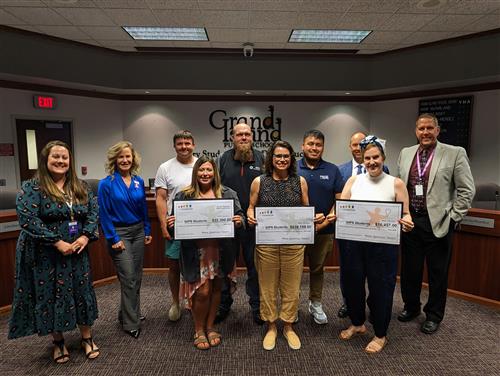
[[441, 188], [350, 168]]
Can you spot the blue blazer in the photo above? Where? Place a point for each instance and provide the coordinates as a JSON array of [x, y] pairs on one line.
[[346, 170]]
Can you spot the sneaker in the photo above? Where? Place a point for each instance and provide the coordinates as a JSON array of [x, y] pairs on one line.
[[174, 313], [316, 310]]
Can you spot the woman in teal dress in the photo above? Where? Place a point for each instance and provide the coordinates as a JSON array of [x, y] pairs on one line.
[[53, 289]]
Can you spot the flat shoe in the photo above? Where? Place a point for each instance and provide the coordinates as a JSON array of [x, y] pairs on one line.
[[269, 341], [351, 332], [376, 345], [59, 355], [292, 339], [201, 341], [214, 338]]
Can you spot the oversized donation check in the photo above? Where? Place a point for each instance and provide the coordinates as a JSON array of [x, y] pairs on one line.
[[203, 219], [284, 225], [368, 221]]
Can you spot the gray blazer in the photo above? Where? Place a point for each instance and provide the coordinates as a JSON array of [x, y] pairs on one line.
[[451, 186]]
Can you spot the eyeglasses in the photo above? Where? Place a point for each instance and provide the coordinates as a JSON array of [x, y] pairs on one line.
[[281, 156]]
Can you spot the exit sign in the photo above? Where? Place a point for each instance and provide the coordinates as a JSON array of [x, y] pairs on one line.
[[44, 101]]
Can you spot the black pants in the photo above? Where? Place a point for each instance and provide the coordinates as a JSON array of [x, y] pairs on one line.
[[377, 264], [247, 243], [418, 246]]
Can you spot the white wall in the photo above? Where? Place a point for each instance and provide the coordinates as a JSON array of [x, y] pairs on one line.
[[98, 123]]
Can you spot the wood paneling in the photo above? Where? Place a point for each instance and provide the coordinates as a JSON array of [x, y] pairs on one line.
[[473, 270]]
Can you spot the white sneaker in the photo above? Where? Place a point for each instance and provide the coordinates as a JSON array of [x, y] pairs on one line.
[[316, 310], [174, 313]]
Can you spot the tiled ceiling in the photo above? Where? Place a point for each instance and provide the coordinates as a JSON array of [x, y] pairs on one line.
[[265, 23]]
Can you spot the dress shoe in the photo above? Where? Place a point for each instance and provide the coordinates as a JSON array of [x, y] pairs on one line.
[[406, 315], [221, 316], [429, 327], [257, 319], [134, 333], [342, 313]]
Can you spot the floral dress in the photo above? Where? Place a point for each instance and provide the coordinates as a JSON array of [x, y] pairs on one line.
[[53, 292]]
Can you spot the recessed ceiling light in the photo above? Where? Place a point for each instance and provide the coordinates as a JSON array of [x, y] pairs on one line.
[[147, 92], [166, 33], [328, 36], [248, 92], [347, 93]]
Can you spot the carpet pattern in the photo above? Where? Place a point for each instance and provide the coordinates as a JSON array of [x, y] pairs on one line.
[[468, 342]]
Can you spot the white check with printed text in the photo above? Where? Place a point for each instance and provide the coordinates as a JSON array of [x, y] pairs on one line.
[[284, 225], [203, 219], [368, 221]]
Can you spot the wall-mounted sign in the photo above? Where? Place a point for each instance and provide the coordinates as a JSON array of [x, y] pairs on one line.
[[44, 101], [454, 116]]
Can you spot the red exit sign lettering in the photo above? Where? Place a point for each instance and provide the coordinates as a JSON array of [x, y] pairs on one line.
[[44, 101]]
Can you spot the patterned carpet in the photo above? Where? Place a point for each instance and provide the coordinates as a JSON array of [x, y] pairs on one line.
[[468, 343]]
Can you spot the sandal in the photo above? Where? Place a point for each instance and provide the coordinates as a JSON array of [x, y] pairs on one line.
[[201, 341], [59, 348], [90, 348], [351, 332], [214, 338], [376, 345]]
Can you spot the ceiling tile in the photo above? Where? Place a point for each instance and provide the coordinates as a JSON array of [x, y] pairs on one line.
[[269, 35], [228, 35], [38, 16], [22, 3], [472, 7], [380, 6], [488, 22], [268, 45], [406, 22], [79, 4], [226, 45], [340, 46], [426, 37], [132, 17], [282, 5], [9, 19], [106, 32], [121, 3], [272, 19], [362, 21], [385, 37], [225, 18], [305, 46], [172, 4], [191, 44], [27, 28], [376, 46], [451, 22], [66, 32], [318, 20], [179, 17], [86, 16], [154, 43], [414, 6], [325, 5], [116, 43]]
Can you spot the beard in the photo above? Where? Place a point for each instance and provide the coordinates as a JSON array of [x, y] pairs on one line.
[[244, 152]]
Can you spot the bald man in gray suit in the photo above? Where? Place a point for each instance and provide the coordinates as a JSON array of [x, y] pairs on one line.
[[441, 189]]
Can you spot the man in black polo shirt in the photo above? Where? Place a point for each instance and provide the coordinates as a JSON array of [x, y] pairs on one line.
[[238, 167], [324, 183]]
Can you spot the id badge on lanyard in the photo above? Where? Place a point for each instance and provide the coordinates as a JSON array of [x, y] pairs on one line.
[[419, 188], [72, 225]]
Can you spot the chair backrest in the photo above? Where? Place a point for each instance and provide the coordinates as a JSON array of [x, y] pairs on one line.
[[93, 184], [8, 199], [487, 196]]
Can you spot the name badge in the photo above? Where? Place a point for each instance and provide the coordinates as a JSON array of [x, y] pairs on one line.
[[73, 228], [419, 190]]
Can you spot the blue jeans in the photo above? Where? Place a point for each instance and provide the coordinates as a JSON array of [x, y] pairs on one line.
[[247, 244]]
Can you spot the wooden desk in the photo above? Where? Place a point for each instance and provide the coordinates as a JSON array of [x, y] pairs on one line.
[[473, 273]]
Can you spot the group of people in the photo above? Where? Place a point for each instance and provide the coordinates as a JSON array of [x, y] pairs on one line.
[[58, 216]]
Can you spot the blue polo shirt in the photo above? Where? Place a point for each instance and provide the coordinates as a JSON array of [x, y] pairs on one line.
[[323, 183]]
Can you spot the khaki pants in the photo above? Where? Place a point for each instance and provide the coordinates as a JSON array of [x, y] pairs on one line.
[[316, 254], [280, 270]]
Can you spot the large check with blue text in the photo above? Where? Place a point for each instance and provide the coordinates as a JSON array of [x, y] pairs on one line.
[[203, 219], [284, 225], [368, 221]]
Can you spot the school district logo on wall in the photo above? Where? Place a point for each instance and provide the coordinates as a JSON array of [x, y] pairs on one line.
[[265, 131]]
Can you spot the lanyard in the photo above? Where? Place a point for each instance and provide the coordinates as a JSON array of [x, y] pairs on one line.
[[70, 206], [421, 172]]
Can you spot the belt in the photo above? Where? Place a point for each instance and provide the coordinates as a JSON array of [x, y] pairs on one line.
[[120, 224]]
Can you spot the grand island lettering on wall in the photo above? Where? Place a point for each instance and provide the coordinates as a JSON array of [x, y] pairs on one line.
[[265, 131]]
